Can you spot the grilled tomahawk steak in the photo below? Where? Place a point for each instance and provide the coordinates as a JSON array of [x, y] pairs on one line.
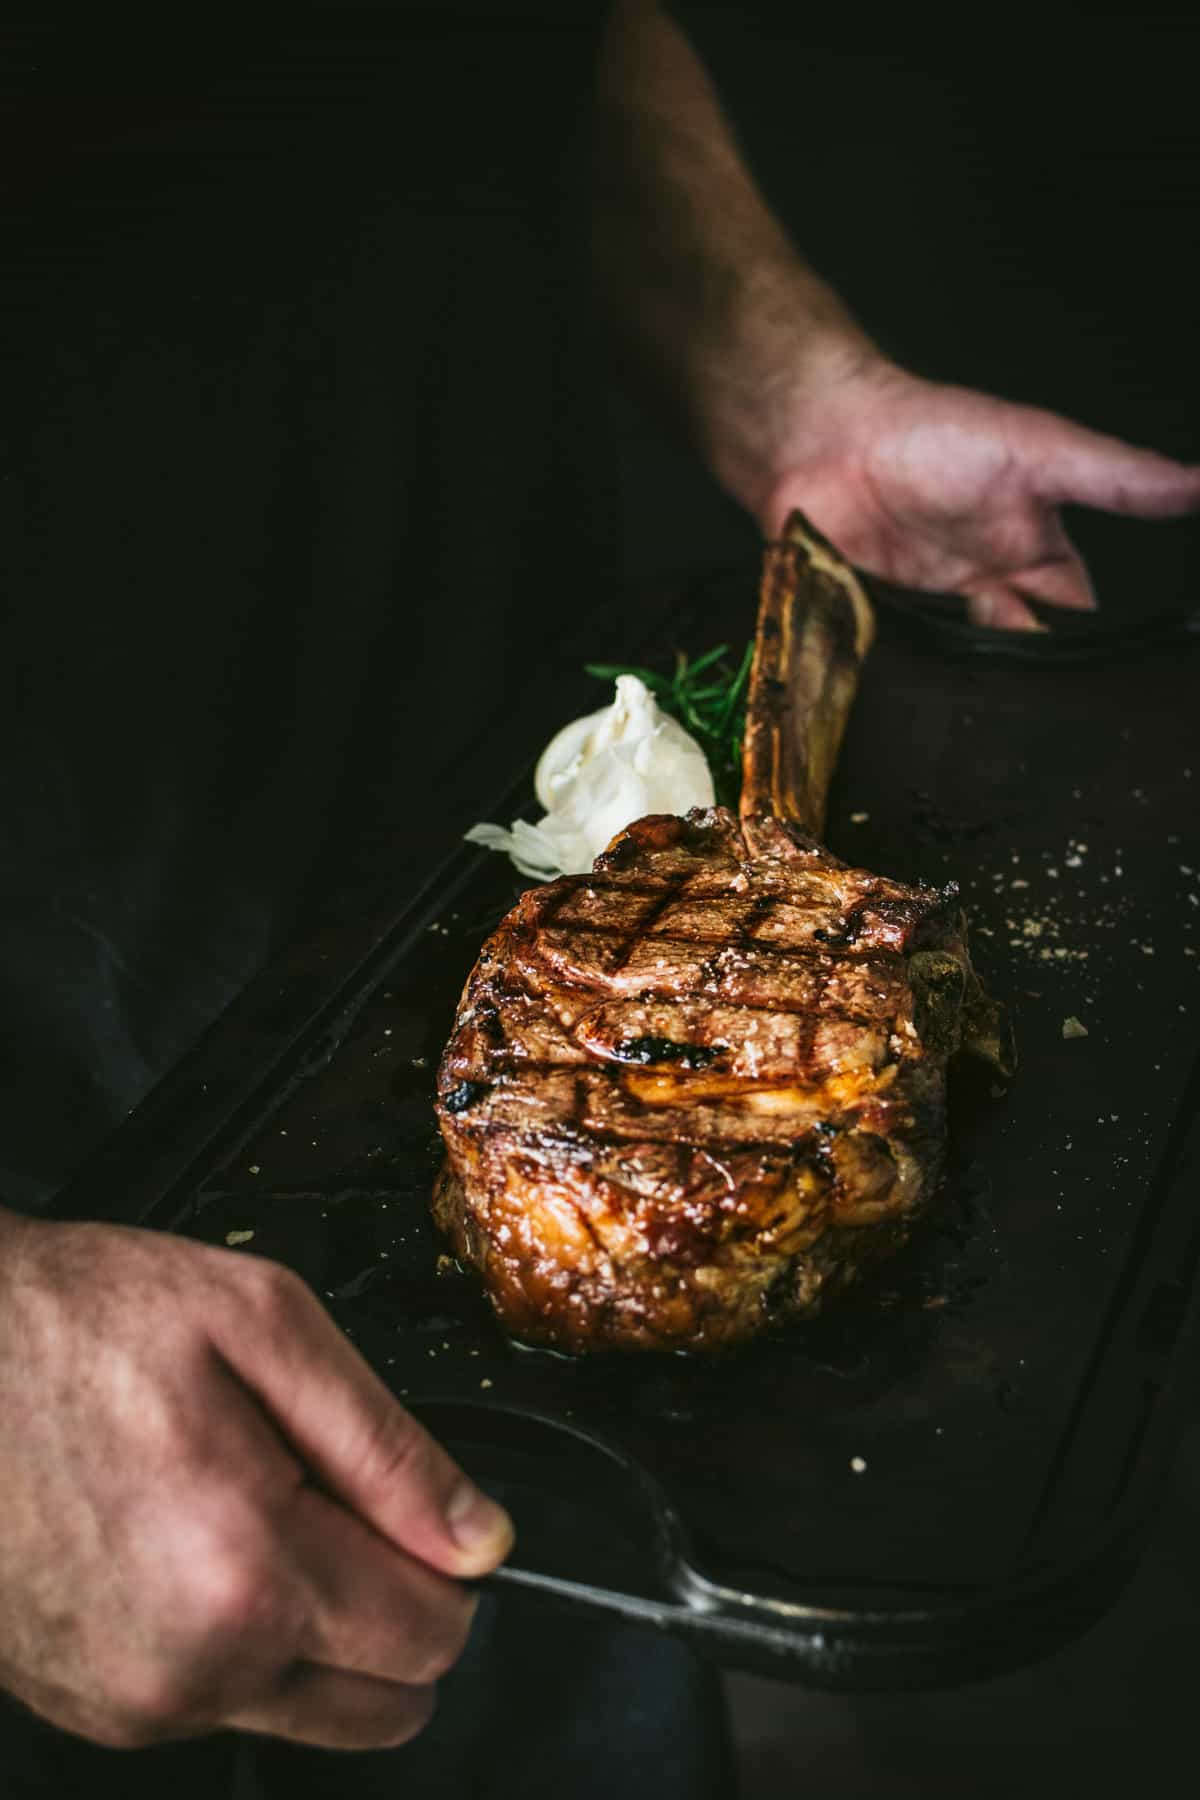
[[701, 1087]]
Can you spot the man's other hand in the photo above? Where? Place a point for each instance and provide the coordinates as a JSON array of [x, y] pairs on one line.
[[212, 1514], [942, 488]]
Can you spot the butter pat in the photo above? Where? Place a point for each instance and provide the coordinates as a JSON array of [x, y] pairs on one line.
[[596, 776]]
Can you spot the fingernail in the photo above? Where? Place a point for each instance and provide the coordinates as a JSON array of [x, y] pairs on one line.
[[983, 609], [477, 1523]]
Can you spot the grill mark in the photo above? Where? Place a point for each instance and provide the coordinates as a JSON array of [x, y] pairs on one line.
[[645, 890], [561, 1127], [616, 1065], [668, 894], [641, 890], [832, 950], [499, 1065], [649, 991], [675, 887], [774, 1150], [582, 884], [812, 1017], [761, 909]]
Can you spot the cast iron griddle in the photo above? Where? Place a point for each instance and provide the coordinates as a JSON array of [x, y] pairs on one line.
[[950, 1472]]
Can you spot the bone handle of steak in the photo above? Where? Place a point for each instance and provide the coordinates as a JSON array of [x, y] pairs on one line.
[[814, 628]]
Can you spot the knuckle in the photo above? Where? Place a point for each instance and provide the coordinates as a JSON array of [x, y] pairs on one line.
[[279, 1301], [276, 1289], [223, 1591], [230, 1628], [395, 1448], [231, 1593]]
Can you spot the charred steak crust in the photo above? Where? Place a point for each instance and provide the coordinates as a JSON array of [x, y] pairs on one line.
[[698, 1088]]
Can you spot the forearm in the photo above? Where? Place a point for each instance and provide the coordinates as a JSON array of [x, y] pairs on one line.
[[715, 319]]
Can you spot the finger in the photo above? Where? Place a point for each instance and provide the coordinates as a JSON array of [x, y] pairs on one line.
[[348, 1428], [998, 607], [1071, 464], [336, 1711], [373, 1609], [1064, 582]]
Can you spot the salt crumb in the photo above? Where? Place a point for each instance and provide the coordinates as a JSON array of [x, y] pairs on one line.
[[858, 1464], [1018, 884], [486, 1382], [1074, 1028], [254, 1169], [234, 1238], [859, 818]]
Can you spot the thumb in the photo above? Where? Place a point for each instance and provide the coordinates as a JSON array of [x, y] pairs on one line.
[[1074, 466], [350, 1431]]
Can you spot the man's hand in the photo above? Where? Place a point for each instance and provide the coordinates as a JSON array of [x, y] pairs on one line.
[[937, 487], [211, 1512], [717, 322]]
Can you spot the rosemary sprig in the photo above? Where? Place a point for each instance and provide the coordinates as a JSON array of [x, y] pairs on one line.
[[708, 696]]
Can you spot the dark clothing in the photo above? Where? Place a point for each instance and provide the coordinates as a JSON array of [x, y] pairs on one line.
[[297, 389], [541, 1707]]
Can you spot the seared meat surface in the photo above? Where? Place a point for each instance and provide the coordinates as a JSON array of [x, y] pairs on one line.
[[703, 1085]]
